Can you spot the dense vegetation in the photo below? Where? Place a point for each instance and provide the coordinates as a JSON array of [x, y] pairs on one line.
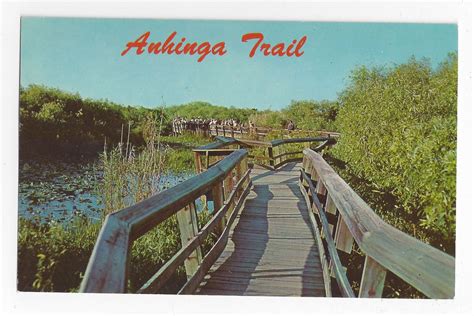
[[397, 150], [54, 256], [206, 110], [54, 121], [58, 122], [306, 114], [398, 134]]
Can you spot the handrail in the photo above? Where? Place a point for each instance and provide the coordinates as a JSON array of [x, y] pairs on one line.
[[342, 219], [274, 154], [107, 268], [424, 267]]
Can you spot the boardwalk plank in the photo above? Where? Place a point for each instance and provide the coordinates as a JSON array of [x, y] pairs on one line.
[[271, 250]]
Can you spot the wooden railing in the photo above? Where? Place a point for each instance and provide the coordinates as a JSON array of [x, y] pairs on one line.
[[241, 132], [271, 155], [344, 218], [228, 182]]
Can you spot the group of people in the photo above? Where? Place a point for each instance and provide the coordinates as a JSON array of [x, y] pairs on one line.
[[200, 125], [181, 124]]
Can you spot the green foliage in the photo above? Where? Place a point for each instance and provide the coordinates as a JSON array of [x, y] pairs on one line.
[[312, 115], [398, 132], [268, 118], [207, 110], [54, 122], [52, 257], [129, 177], [306, 114], [179, 156]]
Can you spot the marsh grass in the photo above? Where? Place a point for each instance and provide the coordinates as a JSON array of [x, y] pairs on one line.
[[53, 257], [129, 177]]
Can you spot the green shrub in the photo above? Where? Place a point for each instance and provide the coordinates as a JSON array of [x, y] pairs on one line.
[[312, 115], [398, 132], [52, 257], [268, 118]]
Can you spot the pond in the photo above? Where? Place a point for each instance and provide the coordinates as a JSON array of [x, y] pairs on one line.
[[61, 191]]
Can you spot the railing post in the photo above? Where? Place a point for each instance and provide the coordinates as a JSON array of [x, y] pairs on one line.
[[217, 197], [239, 173], [197, 162], [188, 228], [207, 159], [373, 279], [228, 186], [244, 169], [330, 208], [305, 163], [270, 155], [232, 131], [277, 152], [343, 237]]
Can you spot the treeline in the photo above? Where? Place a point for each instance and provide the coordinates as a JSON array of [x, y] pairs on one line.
[[58, 122], [53, 121], [306, 114], [206, 110]]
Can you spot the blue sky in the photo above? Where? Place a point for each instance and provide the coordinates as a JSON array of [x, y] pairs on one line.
[[83, 55]]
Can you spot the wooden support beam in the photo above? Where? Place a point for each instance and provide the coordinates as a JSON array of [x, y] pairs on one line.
[[207, 160], [188, 228], [228, 187], [238, 176], [270, 155], [373, 279], [343, 237], [330, 206], [197, 162], [218, 198], [276, 155]]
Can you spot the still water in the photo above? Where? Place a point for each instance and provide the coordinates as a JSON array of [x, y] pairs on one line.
[[60, 191]]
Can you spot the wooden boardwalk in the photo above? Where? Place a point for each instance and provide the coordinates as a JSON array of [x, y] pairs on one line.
[[271, 250]]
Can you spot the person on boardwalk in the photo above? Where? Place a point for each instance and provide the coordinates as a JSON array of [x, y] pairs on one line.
[[291, 126]]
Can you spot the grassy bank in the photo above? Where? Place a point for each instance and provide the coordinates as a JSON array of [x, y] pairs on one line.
[[53, 257]]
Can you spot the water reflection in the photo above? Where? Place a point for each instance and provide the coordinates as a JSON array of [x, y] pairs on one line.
[[62, 191]]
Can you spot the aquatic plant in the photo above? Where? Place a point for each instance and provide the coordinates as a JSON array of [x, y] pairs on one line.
[[129, 177]]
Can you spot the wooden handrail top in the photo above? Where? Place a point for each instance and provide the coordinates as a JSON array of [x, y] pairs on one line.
[[214, 150], [148, 213], [220, 142], [106, 271], [424, 267], [252, 142], [279, 142]]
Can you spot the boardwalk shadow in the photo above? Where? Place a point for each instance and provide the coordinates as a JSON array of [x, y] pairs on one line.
[[250, 240], [256, 262], [311, 276]]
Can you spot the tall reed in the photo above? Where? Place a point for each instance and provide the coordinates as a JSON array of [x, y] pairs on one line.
[[128, 176]]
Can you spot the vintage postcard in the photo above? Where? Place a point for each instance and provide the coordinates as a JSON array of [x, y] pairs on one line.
[[236, 157]]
